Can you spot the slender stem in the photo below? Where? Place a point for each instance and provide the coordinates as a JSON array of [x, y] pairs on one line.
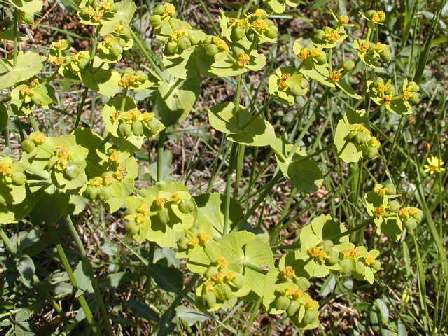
[[80, 107], [71, 275], [228, 187], [239, 168], [160, 147], [16, 35]]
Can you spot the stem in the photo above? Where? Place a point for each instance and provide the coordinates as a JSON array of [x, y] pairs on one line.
[[80, 107], [239, 168], [82, 300], [228, 187], [16, 36], [160, 147]]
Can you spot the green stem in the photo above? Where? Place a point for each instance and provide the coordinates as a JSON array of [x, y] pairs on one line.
[[16, 35], [239, 168], [160, 147], [71, 275], [80, 107], [228, 187]]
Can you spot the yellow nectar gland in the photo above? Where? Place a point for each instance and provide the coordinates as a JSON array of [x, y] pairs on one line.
[[204, 238], [317, 253], [108, 180], [56, 60], [64, 156], [294, 293], [380, 211], [303, 54], [407, 95], [260, 13], [332, 35], [120, 174], [220, 43], [222, 262], [176, 197], [310, 303], [160, 202], [336, 75], [169, 10], [288, 273], [407, 212], [378, 17], [260, 25], [283, 81], [96, 181], [147, 116], [59, 45], [38, 138], [5, 168], [178, 34], [350, 254], [114, 156], [364, 46], [209, 285], [315, 52], [380, 190], [344, 19], [119, 29], [243, 60], [369, 260], [373, 142]]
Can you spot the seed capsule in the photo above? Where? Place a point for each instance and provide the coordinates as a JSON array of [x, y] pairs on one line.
[[394, 205], [348, 65], [163, 216], [18, 178], [186, 206], [211, 50], [159, 10], [282, 303], [272, 31], [72, 170], [137, 128], [293, 308], [171, 48], [92, 192], [238, 33], [310, 316], [210, 299], [28, 145], [184, 43], [124, 130], [155, 20]]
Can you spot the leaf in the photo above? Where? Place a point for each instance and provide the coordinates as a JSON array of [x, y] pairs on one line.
[[28, 65], [240, 126], [83, 275], [142, 310], [3, 117], [168, 278], [26, 269], [190, 316]]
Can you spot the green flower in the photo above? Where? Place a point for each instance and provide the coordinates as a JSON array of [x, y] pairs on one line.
[[287, 84]]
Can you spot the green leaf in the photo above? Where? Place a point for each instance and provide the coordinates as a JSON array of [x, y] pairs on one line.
[[28, 65], [83, 275], [169, 279], [190, 316], [240, 126], [101, 80]]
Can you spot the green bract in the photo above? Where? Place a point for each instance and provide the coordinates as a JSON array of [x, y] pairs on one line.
[[59, 162], [240, 126], [28, 65], [125, 122], [354, 141], [279, 6], [159, 214], [287, 84]]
